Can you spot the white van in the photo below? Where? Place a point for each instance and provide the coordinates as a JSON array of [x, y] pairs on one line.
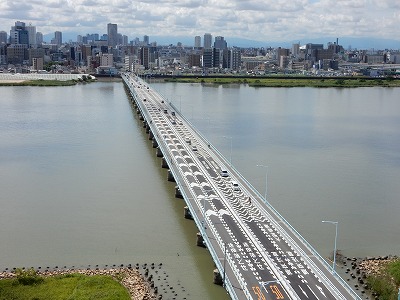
[[235, 186]]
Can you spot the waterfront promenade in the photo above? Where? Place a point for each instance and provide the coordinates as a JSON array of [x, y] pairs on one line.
[[258, 254]]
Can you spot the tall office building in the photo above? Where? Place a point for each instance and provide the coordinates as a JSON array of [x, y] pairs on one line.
[[146, 40], [31, 34], [112, 33], [207, 40], [197, 41], [3, 37], [220, 43], [57, 38], [19, 34], [39, 38]]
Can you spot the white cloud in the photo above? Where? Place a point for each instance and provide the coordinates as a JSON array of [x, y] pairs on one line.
[[269, 20]]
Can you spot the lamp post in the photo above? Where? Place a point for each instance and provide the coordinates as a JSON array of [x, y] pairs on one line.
[[230, 159], [223, 284], [266, 180], [334, 250]]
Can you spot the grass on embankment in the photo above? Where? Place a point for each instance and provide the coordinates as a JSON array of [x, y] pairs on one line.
[[70, 286], [292, 82], [41, 82], [386, 284]]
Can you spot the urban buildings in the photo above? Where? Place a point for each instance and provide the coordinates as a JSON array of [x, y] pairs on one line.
[[23, 50]]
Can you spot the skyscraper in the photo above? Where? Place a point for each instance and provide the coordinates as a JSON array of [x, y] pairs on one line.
[[31, 34], [3, 37], [146, 40], [197, 41], [57, 38], [112, 32], [19, 34], [207, 40], [220, 43], [39, 38]]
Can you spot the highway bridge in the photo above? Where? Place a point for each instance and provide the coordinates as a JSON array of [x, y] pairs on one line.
[[258, 254]]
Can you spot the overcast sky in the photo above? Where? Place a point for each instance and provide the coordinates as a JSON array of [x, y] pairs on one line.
[[262, 20]]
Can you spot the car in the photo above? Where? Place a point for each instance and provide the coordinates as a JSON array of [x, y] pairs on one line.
[[173, 122], [224, 173], [165, 111], [162, 101], [144, 99], [187, 140], [235, 186], [194, 148], [173, 113]]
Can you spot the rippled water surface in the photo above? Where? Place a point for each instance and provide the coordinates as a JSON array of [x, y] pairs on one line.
[[80, 183]]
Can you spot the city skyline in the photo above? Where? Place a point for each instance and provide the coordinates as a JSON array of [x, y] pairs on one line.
[[260, 21]]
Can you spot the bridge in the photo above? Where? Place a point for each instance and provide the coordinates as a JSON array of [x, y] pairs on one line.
[[259, 255]]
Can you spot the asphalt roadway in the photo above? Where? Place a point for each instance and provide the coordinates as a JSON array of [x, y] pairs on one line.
[[259, 255]]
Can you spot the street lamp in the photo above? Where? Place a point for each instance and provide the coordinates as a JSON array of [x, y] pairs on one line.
[[266, 180], [223, 284], [334, 250], [229, 137]]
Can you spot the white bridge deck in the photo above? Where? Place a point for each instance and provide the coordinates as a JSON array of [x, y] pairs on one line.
[[258, 253]]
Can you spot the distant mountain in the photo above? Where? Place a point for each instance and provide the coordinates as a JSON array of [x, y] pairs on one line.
[[346, 42], [353, 43]]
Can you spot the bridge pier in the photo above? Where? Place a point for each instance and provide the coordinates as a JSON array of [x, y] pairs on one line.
[[147, 128], [170, 176], [178, 193], [217, 279], [164, 163], [159, 152], [151, 135], [187, 213], [154, 143], [200, 240]]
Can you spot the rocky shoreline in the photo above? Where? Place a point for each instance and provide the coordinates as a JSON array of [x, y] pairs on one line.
[[358, 269], [138, 286]]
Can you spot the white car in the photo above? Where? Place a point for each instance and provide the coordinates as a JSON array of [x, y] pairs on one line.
[[224, 173]]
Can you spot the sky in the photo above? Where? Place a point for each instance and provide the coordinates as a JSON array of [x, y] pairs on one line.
[[260, 20]]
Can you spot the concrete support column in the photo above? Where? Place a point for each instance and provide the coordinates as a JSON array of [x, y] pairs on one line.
[[170, 176], [187, 213], [164, 163], [217, 279], [200, 240], [178, 193], [159, 152]]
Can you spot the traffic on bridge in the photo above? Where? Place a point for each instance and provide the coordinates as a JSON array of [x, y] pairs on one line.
[[258, 254]]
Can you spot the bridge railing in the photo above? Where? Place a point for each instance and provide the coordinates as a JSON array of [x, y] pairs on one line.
[[179, 179], [275, 212], [272, 209]]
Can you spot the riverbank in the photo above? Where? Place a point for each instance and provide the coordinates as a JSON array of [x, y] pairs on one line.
[[375, 277], [133, 281], [342, 82], [38, 82]]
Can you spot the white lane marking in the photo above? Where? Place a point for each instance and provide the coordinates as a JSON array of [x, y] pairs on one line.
[[303, 292], [320, 289]]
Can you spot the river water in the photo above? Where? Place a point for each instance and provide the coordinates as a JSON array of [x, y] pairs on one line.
[[80, 183]]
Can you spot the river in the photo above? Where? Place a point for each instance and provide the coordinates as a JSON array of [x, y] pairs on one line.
[[81, 183]]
